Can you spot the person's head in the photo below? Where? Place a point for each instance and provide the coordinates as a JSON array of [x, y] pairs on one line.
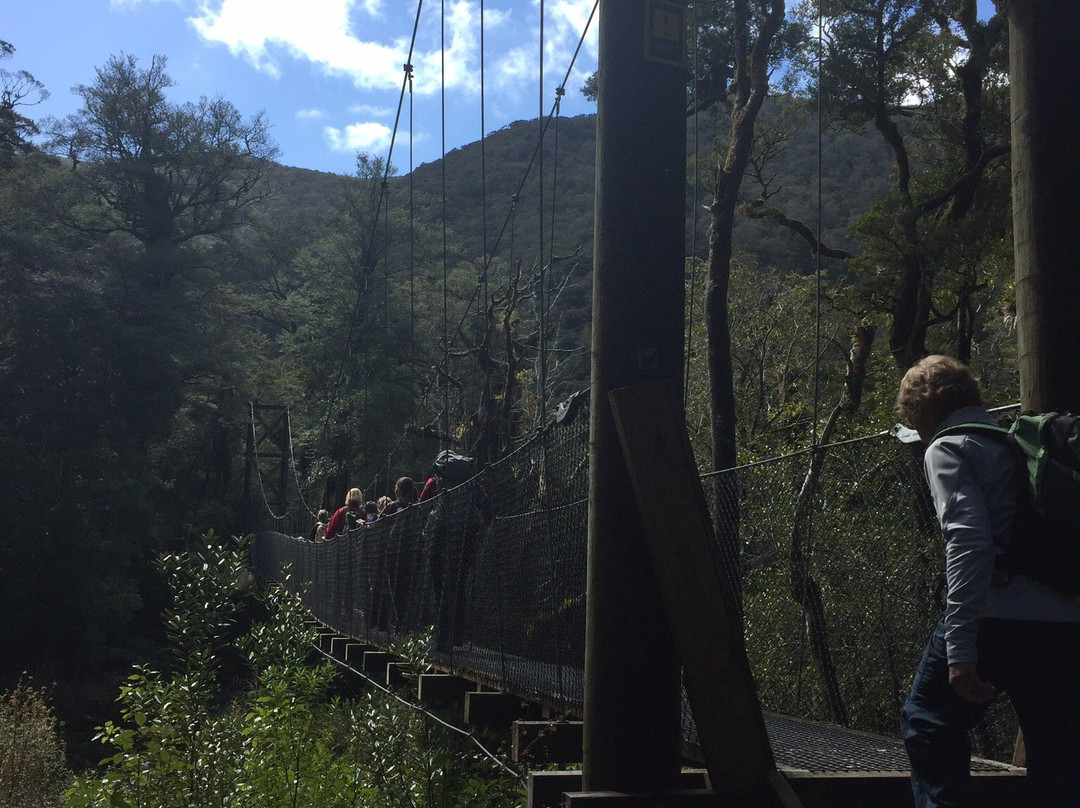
[[405, 489], [371, 508], [354, 499], [931, 389], [324, 515], [383, 502]]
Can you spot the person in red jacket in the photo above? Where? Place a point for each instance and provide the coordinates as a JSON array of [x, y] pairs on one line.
[[349, 516]]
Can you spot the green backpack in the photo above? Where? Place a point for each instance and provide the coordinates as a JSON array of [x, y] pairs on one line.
[[353, 519], [1046, 533]]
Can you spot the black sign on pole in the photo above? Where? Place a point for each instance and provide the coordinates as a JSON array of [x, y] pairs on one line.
[[665, 33]]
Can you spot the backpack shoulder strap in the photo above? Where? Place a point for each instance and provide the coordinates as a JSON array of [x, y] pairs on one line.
[[996, 430]]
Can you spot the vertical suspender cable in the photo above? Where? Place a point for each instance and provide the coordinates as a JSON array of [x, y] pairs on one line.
[[406, 81], [483, 158], [815, 437], [483, 320], [560, 91], [541, 386], [412, 229], [694, 209], [385, 408], [542, 316], [486, 322], [412, 250], [445, 420], [817, 249]]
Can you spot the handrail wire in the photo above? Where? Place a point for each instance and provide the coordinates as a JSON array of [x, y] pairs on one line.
[[520, 776]]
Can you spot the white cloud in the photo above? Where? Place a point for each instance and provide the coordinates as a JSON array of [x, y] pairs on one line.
[[358, 137], [517, 67], [327, 34], [566, 22], [123, 4], [309, 114], [517, 70], [371, 111], [458, 67], [318, 31]]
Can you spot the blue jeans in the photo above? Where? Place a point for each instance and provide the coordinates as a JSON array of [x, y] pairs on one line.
[[1038, 664]]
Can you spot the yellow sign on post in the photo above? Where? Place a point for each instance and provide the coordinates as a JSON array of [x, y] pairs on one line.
[[665, 32]]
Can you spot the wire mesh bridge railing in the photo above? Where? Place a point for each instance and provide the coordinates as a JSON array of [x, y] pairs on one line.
[[495, 569]]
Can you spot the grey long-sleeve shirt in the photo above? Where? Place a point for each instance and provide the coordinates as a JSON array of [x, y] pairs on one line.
[[972, 479]]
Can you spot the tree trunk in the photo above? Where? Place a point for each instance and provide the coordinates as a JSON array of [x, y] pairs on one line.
[[751, 85], [804, 587]]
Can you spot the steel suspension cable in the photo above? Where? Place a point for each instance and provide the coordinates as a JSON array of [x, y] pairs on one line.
[[816, 434], [507, 767], [546, 271], [412, 228], [405, 83], [483, 152], [386, 315], [541, 387], [484, 325], [690, 318], [511, 214], [508, 220], [532, 161], [817, 249], [445, 425]]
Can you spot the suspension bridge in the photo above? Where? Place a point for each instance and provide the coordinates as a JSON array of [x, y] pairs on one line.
[[494, 572], [498, 572]]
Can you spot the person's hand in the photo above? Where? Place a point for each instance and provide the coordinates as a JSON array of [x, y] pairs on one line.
[[967, 684]]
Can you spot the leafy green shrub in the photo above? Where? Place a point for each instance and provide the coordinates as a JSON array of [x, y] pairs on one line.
[[32, 770], [285, 739]]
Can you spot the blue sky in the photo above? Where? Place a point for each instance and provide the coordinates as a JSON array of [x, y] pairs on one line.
[[327, 73]]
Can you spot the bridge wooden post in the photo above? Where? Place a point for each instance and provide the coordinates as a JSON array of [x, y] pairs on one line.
[[698, 596], [631, 734], [1044, 82]]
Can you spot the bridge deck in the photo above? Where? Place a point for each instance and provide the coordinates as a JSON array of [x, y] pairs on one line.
[[801, 745], [798, 745]]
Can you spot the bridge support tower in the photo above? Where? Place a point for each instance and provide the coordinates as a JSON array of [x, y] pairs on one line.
[[631, 735]]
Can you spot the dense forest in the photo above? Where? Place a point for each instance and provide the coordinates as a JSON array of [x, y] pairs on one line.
[[159, 271]]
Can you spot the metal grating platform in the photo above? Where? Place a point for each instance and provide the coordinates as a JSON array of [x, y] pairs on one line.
[[799, 745], [809, 746]]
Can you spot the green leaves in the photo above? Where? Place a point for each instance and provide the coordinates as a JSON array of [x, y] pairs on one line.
[[32, 770], [283, 740]]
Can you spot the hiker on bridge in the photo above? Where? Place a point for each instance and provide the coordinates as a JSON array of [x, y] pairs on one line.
[[349, 516], [371, 511], [405, 494], [318, 530], [999, 631]]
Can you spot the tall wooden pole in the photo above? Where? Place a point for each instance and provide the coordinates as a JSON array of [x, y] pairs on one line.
[[1044, 68], [632, 698]]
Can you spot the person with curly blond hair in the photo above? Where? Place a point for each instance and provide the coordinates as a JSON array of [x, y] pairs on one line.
[[1000, 630]]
